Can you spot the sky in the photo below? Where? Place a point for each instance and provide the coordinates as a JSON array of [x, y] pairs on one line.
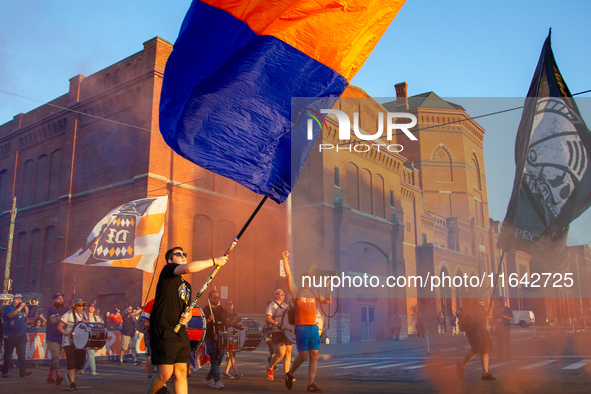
[[470, 52]]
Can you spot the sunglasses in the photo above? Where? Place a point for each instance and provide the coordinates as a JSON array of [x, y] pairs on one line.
[[180, 254]]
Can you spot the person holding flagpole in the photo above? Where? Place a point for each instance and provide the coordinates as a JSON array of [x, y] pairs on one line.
[[171, 351]]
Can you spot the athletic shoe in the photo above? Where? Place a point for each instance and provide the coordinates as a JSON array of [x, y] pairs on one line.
[[50, 380], [209, 382], [288, 380], [488, 376], [459, 371], [293, 380], [312, 388], [59, 380], [137, 362], [94, 373], [73, 386], [269, 373], [218, 385], [81, 372]]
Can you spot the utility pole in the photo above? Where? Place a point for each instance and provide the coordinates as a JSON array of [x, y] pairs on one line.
[[7, 281]]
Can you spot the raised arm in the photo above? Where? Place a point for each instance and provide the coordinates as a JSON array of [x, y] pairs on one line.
[[200, 265], [292, 288]]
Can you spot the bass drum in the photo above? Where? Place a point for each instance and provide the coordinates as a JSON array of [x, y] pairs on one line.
[[250, 336], [89, 335], [196, 328], [288, 329]]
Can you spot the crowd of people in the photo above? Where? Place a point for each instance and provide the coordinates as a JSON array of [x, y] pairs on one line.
[[168, 350], [18, 318]]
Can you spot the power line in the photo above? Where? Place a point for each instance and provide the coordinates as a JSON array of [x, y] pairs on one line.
[[77, 112]]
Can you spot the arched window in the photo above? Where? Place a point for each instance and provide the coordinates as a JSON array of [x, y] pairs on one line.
[[55, 170], [28, 182], [42, 179], [424, 238], [442, 156], [49, 245], [476, 178]]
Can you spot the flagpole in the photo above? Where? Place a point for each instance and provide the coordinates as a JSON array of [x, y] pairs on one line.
[[496, 280], [216, 269]]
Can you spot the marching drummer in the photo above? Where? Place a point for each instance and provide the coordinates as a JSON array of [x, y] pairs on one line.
[[75, 357], [92, 316], [235, 320], [283, 346], [217, 318]]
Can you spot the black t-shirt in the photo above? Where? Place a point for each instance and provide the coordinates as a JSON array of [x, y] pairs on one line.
[[173, 295], [220, 315]]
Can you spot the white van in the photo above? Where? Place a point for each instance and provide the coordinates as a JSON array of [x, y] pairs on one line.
[[523, 318]]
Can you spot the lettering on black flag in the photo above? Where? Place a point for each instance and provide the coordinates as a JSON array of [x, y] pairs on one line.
[[552, 185]]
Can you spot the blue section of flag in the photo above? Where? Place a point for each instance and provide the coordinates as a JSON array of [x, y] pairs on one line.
[[226, 101]]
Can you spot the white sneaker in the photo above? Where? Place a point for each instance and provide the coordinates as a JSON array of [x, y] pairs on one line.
[[219, 385], [209, 382]]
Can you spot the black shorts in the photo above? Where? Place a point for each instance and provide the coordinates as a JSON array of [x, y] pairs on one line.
[[75, 357], [169, 347], [479, 341], [279, 337]]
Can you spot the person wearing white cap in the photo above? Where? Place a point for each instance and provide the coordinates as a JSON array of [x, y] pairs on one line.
[[283, 346], [15, 326], [75, 357]]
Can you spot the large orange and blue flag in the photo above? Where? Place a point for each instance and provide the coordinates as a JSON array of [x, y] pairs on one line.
[[226, 101]]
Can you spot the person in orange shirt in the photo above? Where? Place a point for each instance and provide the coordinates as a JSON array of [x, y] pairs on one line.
[[306, 330]]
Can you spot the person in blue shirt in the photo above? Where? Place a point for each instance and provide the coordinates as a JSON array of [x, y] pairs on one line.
[[15, 326]]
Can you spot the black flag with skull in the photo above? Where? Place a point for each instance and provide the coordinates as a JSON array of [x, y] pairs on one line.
[[552, 185]]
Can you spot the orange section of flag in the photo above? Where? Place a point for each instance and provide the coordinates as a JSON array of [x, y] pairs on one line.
[[129, 263], [149, 224], [339, 34]]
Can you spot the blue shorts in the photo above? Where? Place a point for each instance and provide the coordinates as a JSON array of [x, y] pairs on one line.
[[307, 338]]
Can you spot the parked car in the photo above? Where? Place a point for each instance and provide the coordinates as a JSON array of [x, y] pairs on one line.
[[523, 318]]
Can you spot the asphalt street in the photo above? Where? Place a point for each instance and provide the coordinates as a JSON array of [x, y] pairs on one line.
[[554, 360]]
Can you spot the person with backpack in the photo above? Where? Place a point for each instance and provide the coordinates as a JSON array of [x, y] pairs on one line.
[[283, 346]]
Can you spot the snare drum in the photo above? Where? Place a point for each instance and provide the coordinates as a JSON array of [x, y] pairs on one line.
[[229, 341], [250, 336], [89, 335], [288, 329], [253, 334], [196, 328]]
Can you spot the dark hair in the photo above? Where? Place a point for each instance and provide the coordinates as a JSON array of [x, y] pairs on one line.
[[211, 292], [170, 252]]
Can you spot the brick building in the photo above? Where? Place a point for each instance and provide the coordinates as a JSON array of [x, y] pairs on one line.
[[420, 211], [73, 160]]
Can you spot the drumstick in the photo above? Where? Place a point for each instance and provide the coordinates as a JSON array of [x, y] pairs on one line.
[[216, 269]]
